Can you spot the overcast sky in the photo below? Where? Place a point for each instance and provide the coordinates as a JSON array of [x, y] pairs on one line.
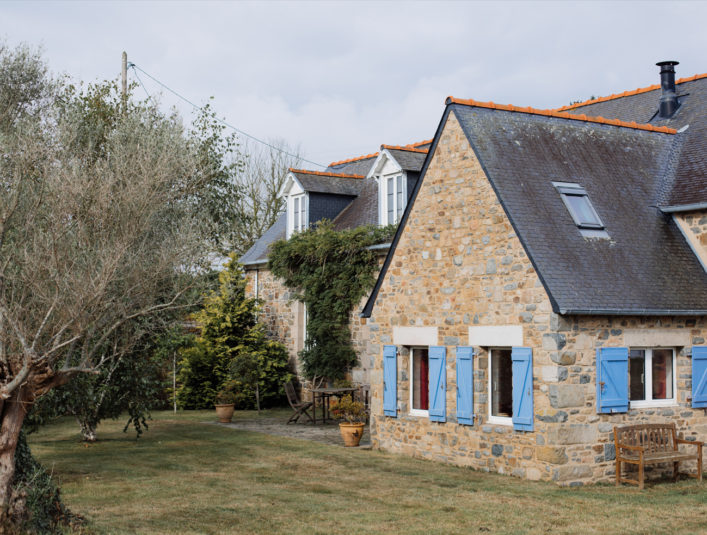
[[340, 78]]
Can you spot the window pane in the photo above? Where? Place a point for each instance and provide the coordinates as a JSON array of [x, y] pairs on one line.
[[420, 379], [636, 374], [391, 200], [662, 373], [399, 192], [582, 210], [501, 383], [303, 215], [296, 218]]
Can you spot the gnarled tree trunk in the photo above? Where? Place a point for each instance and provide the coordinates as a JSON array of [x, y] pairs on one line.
[[12, 415], [88, 430]]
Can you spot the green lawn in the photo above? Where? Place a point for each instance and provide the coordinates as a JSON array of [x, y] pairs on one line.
[[186, 477]]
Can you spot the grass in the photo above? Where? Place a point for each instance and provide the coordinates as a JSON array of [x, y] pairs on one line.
[[186, 477]]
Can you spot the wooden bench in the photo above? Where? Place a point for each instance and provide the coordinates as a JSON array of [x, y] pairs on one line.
[[652, 444]]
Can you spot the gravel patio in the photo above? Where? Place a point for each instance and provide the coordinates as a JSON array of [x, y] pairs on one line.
[[277, 425]]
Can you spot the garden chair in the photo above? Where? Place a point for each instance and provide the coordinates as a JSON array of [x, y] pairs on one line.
[[300, 407]]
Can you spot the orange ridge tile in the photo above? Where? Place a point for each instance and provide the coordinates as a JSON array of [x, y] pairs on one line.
[[320, 173], [405, 148], [364, 157], [553, 113], [629, 93], [424, 142]]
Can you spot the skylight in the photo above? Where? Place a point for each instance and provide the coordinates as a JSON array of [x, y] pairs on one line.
[[579, 206]]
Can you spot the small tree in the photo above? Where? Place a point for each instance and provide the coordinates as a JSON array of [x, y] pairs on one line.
[[231, 346]]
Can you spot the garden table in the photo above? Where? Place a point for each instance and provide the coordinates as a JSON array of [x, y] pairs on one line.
[[324, 394]]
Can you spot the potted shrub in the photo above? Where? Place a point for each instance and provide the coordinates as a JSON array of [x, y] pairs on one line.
[[353, 414], [225, 402]]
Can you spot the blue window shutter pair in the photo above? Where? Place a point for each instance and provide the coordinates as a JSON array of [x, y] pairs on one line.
[[465, 385], [699, 376], [522, 358], [612, 379], [390, 381], [437, 382]]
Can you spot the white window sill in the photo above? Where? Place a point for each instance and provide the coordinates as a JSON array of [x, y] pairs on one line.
[[419, 413], [500, 420], [652, 404]]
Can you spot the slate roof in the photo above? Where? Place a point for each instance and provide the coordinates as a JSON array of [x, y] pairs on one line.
[[688, 184], [408, 160], [327, 182], [258, 253], [645, 267], [356, 166], [363, 210]]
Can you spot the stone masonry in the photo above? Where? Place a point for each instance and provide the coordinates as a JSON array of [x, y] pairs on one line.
[[694, 226], [459, 263]]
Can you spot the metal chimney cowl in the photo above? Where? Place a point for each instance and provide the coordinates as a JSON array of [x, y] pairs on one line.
[[668, 99]]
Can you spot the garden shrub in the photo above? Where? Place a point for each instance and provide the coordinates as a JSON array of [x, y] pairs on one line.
[[231, 346]]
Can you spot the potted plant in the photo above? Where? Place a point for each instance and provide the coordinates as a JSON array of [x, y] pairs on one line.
[[225, 402], [353, 414]]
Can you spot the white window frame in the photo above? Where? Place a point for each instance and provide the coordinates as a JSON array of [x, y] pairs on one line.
[[498, 420], [648, 381], [302, 224], [418, 412], [398, 207]]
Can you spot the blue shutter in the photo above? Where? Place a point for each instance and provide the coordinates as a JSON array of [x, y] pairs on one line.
[[390, 381], [612, 379], [465, 385], [699, 376], [522, 358], [438, 383]]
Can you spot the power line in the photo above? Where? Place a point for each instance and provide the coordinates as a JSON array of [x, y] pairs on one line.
[[136, 68], [139, 80]]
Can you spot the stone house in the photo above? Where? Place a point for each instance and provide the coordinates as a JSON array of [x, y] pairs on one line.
[[546, 283], [369, 189]]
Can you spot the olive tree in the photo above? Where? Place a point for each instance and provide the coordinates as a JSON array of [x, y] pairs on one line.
[[90, 240]]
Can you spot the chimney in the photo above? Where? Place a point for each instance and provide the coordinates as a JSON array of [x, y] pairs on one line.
[[668, 100]]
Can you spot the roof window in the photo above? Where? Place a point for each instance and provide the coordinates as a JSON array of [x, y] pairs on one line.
[[579, 206]]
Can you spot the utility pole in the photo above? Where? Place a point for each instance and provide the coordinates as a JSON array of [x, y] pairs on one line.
[[124, 78]]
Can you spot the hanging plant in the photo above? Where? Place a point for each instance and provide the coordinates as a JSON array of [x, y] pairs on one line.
[[330, 271]]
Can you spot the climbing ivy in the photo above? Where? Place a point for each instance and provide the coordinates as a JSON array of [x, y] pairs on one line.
[[330, 271]]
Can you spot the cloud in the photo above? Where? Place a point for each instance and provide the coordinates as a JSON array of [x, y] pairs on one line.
[[340, 78]]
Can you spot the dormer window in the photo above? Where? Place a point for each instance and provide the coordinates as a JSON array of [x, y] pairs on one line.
[[395, 198], [579, 206], [299, 213]]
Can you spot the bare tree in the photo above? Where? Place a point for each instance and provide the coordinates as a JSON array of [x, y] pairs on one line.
[[90, 240], [260, 183]]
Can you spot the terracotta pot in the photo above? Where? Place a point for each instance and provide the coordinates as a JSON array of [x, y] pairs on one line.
[[351, 433], [225, 412]]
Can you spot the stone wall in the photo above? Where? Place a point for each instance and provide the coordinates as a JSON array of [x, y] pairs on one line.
[[283, 318], [694, 227], [460, 264]]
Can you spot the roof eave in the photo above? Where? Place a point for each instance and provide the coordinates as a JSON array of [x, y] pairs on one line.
[[255, 263], [632, 312], [683, 207]]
